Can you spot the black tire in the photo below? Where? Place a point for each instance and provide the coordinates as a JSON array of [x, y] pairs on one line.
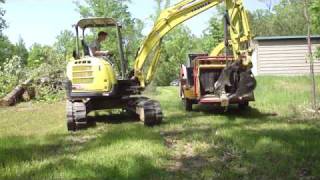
[[243, 105], [188, 104]]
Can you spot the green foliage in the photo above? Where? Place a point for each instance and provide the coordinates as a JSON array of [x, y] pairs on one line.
[[317, 53], [286, 18], [261, 22], [47, 93], [21, 51], [48, 82], [315, 15], [6, 49], [3, 23], [46, 65], [40, 54], [65, 44], [213, 35], [12, 73], [160, 5], [175, 48]]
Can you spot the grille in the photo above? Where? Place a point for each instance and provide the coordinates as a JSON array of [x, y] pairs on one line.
[[82, 68], [82, 75]]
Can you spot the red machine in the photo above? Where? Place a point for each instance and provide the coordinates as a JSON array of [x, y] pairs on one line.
[[215, 80]]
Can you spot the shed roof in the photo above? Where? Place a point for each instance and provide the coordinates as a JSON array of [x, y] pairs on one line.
[[278, 38]]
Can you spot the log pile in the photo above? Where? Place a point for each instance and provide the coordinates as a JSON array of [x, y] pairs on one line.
[[16, 94]]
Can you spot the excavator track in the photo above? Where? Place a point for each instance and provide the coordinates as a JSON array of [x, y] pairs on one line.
[[149, 110], [76, 115]]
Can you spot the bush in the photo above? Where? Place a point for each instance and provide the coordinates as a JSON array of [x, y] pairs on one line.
[[12, 73], [47, 78], [317, 53]]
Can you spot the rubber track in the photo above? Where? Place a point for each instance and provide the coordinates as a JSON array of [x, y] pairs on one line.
[[76, 115], [151, 109]]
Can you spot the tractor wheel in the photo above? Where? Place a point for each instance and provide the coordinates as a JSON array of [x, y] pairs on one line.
[[243, 105], [188, 104]]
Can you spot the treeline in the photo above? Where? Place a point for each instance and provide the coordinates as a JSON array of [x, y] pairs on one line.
[[48, 62]]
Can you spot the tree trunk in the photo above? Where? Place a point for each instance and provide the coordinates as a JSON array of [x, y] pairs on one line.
[[310, 55], [12, 98]]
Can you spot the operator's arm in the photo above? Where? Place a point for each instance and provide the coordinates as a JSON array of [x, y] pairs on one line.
[[96, 52]]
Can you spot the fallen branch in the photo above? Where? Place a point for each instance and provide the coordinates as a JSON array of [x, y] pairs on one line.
[[12, 98]]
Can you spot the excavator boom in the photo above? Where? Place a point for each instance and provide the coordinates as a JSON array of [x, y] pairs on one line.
[[179, 13]]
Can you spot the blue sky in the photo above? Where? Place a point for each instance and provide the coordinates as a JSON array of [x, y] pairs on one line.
[[40, 21]]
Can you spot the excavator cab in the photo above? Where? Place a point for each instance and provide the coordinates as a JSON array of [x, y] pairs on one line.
[[90, 76]]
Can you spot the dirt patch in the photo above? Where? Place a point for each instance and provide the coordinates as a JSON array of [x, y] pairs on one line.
[[184, 157]]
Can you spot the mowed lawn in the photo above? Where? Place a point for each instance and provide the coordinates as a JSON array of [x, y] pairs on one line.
[[277, 138]]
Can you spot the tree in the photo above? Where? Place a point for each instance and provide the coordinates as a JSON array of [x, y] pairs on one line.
[[175, 48], [3, 23], [213, 35], [261, 22], [65, 44], [21, 51], [286, 18], [160, 5], [6, 49], [40, 54], [12, 72], [310, 54], [315, 16], [268, 3]]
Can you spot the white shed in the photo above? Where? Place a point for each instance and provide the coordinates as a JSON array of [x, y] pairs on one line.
[[283, 55]]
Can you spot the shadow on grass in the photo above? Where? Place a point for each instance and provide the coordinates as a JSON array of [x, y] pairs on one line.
[[234, 112], [118, 118], [67, 156], [247, 145], [80, 170]]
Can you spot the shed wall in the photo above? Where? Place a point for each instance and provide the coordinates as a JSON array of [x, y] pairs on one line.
[[284, 57]]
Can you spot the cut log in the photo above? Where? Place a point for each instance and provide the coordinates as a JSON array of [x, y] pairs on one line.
[[12, 98], [29, 94]]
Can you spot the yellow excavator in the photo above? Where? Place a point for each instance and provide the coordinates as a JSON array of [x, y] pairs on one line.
[[94, 84]]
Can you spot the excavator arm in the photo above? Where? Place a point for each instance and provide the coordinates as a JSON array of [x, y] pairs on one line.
[[238, 29], [170, 18]]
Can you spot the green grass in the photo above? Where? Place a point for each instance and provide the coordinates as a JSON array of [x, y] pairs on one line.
[[275, 139]]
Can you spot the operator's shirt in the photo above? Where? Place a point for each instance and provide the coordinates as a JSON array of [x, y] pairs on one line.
[[95, 45]]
